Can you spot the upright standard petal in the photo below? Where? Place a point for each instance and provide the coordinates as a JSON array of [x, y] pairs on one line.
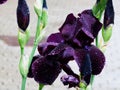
[[23, 15], [70, 27], [90, 24]]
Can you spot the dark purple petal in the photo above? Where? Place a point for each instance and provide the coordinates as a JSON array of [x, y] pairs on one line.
[[56, 37], [45, 71], [2, 1], [71, 19], [84, 62], [30, 74], [63, 53], [46, 48], [82, 39], [90, 24], [67, 55], [80, 57], [96, 56], [57, 50], [68, 70], [23, 15], [44, 4], [70, 27], [97, 60], [86, 68], [87, 79], [109, 14], [70, 80]]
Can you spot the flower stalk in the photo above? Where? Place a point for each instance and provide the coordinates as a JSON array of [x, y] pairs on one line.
[[100, 6]]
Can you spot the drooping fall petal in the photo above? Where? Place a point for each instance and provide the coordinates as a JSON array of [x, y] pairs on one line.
[[45, 71], [30, 74], [97, 60], [96, 56]]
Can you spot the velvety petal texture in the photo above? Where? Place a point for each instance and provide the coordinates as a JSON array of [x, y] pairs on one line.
[[89, 23], [95, 61], [45, 71], [85, 26], [56, 37], [73, 42], [70, 27], [30, 74], [46, 48]]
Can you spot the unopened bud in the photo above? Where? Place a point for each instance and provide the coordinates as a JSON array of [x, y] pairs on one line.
[[109, 14], [38, 7], [23, 66], [107, 33], [23, 15], [44, 17]]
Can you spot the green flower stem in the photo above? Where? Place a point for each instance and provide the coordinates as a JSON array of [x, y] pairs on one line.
[[97, 11], [41, 86], [23, 78], [38, 38], [92, 79], [23, 83]]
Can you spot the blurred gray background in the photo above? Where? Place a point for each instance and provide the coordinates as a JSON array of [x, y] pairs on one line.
[[10, 78]]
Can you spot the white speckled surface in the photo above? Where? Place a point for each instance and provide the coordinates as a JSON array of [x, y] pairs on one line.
[[9, 56]]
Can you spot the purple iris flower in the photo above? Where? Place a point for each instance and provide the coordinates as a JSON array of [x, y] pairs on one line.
[[73, 42], [2, 1]]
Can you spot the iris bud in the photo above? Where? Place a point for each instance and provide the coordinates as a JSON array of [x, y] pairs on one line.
[[107, 33], [23, 15], [44, 17], [38, 7], [23, 66], [109, 14]]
